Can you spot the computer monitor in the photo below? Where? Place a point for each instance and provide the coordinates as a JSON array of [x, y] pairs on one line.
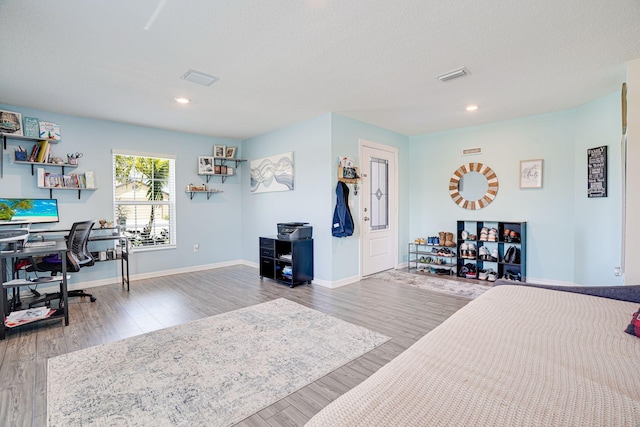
[[28, 211]]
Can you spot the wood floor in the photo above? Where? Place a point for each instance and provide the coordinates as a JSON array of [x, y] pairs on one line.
[[402, 312]]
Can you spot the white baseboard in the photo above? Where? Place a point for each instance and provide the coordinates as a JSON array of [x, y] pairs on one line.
[[550, 282]]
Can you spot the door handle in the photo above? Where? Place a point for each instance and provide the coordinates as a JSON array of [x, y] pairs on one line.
[[366, 218]]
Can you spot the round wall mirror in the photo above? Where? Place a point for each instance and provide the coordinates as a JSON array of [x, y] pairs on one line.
[[473, 186]]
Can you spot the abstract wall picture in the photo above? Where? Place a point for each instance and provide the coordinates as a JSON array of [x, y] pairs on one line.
[[273, 173]]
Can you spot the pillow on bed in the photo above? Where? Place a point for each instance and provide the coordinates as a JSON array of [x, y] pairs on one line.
[[634, 326]]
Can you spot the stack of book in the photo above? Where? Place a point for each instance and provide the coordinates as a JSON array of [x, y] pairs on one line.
[[58, 180]]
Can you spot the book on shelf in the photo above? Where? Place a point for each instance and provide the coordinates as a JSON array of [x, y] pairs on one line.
[[42, 151], [90, 182], [34, 153]]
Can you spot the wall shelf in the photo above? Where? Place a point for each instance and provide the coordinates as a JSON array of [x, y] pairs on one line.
[[59, 165], [3, 146], [208, 193], [79, 190]]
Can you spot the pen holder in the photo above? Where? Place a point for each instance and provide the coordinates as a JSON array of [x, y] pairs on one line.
[[72, 160], [21, 156]]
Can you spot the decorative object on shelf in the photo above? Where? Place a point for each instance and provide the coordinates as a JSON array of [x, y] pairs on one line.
[[192, 187], [274, 173], [230, 170], [531, 173], [219, 151], [31, 127], [11, 122], [217, 169], [597, 172], [230, 152], [205, 165], [49, 130], [223, 169], [481, 192]]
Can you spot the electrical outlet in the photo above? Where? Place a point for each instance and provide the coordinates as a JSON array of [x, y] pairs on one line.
[[196, 247], [617, 271]]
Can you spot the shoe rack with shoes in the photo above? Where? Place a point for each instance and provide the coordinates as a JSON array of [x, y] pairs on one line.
[[496, 249], [435, 254]]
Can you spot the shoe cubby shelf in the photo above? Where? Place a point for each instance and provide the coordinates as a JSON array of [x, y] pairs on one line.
[[494, 249], [432, 258]]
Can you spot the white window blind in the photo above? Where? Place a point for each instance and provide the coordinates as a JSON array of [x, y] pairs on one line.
[[144, 195]]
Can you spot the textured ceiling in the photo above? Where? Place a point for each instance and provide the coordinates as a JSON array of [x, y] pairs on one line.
[[280, 62]]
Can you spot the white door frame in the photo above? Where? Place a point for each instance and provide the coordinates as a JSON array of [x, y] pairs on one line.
[[393, 199]]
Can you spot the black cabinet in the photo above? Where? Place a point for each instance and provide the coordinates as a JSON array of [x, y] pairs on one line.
[[287, 262], [492, 249]]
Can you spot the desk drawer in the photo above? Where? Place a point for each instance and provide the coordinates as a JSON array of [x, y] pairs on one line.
[[267, 252]]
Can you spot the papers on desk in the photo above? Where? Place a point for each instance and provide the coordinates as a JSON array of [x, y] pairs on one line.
[[20, 317]]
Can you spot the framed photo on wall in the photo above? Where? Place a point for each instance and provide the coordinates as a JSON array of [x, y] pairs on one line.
[[597, 172], [531, 173], [219, 151], [205, 165]]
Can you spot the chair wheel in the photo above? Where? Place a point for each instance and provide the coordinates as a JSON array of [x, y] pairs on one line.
[[93, 299]]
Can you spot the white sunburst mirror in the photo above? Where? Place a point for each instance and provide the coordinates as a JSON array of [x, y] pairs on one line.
[[477, 201]]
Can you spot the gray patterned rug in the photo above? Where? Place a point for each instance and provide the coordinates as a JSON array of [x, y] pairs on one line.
[[434, 283], [214, 371]]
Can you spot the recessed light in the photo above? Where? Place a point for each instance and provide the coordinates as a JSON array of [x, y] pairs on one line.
[[472, 107], [182, 100]]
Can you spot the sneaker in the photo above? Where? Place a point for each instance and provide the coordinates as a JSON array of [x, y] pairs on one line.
[[483, 253], [491, 275], [494, 255], [493, 235], [483, 275], [472, 250], [463, 250]]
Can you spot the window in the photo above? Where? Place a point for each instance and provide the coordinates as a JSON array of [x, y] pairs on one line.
[[144, 198]]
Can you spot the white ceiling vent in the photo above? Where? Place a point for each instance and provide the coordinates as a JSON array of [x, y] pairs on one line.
[[198, 78], [470, 151], [460, 72]]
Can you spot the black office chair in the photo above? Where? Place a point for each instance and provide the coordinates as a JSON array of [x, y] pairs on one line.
[[78, 256]]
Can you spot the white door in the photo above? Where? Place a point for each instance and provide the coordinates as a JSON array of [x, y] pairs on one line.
[[378, 216]]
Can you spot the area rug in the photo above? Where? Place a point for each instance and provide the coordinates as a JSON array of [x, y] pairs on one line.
[[214, 371], [433, 283]]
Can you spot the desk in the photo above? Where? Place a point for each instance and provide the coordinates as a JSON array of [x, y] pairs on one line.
[[97, 236], [59, 248]]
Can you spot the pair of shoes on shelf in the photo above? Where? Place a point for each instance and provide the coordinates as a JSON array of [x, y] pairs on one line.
[[510, 236], [512, 275], [468, 250], [512, 256]]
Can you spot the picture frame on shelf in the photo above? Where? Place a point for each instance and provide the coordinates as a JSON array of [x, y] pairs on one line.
[[31, 127], [223, 169], [216, 169], [230, 152], [531, 173], [11, 122], [219, 151], [205, 165], [49, 130]]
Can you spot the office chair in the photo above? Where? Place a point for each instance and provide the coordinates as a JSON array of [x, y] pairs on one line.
[[78, 256]]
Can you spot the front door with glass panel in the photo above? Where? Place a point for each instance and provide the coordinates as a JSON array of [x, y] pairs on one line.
[[379, 207]]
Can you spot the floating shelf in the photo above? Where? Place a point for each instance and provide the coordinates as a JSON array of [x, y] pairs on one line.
[[208, 193]]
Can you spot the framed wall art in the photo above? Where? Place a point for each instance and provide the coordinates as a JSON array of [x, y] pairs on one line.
[[230, 152], [531, 173], [205, 165], [219, 151], [597, 172], [11, 122]]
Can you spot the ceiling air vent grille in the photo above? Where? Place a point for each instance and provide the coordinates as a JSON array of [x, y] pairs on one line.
[[198, 78], [471, 151]]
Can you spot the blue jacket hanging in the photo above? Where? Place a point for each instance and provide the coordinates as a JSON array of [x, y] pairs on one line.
[[342, 219]]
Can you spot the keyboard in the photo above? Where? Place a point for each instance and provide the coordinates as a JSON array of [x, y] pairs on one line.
[[39, 244]]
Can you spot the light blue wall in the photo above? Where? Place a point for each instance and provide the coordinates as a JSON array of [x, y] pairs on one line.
[[345, 136], [597, 221], [309, 202], [214, 223], [563, 243]]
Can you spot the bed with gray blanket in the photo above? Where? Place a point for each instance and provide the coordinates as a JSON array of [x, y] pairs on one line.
[[525, 355]]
